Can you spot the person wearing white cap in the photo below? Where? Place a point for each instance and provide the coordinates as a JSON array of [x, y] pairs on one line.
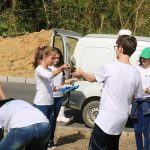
[[125, 32]]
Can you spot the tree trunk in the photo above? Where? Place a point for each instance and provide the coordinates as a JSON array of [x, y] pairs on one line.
[[46, 14], [13, 16]]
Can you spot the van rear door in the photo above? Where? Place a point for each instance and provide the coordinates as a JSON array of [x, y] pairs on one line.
[[66, 41]]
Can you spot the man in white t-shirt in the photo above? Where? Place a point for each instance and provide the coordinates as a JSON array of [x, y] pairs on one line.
[[26, 126], [122, 83]]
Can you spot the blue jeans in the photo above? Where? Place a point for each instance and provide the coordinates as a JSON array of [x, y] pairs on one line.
[[33, 137], [48, 111], [142, 125], [57, 105], [102, 141]]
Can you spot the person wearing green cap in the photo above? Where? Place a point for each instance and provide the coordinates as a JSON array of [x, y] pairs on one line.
[[146, 54], [140, 112]]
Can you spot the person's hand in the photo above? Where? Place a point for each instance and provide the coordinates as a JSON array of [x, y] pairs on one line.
[[74, 79], [147, 90], [65, 66], [78, 73], [57, 88], [65, 85]]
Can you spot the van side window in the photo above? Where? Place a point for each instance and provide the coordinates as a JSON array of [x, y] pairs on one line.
[[72, 44]]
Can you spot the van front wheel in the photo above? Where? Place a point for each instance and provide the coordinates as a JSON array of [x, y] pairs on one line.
[[90, 112]]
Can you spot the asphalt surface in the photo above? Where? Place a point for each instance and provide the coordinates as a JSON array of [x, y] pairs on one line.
[[27, 92]]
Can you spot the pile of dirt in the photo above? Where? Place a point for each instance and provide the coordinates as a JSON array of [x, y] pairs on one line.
[[17, 53]]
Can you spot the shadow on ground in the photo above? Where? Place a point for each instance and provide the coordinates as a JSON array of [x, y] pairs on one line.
[[70, 139], [77, 114]]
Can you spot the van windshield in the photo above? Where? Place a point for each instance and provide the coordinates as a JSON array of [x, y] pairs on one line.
[[72, 43], [66, 44]]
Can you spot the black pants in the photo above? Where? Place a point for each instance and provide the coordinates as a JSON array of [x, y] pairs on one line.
[[102, 141]]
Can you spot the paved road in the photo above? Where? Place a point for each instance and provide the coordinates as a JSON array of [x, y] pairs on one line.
[[27, 92], [19, 91]]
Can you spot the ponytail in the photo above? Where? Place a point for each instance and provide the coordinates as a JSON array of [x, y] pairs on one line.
[[40, 52]]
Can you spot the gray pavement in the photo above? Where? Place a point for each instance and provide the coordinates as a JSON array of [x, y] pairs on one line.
[[24, 88], [27, 92]]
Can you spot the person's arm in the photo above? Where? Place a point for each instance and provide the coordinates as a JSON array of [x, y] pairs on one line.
[[2, 95], [147, 90], [50, 74], [71, 80], [57, 88], [88, 77], [138, 93], [60, 69], [133, 99]]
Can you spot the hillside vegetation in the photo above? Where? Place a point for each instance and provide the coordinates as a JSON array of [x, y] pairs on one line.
[[26, 24], [83, 16]]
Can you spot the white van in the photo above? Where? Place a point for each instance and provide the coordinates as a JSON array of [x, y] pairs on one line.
[[89, 53]]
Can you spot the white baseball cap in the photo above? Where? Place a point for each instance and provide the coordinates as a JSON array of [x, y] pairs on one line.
[[125, 32]]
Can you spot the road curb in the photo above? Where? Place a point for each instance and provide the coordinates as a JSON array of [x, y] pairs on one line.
[[3, 78], [30, 81], [17, 79]]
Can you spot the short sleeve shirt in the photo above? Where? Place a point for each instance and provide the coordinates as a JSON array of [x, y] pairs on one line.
[[121, 82], [145, 75], [57, 81], [18, 114], [44, 85]]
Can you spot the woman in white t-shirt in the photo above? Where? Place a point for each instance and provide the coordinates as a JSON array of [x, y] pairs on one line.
[[43, 100], [141, 107], [58, 80]]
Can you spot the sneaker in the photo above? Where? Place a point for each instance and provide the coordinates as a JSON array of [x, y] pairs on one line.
[[64, 119], [51, 145]]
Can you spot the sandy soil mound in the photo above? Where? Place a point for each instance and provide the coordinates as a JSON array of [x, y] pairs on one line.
[[17, 54]]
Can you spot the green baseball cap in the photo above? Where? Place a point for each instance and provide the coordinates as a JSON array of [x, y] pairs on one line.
[[145, 53]]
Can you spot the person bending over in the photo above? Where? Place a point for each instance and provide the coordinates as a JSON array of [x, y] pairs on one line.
[[26, 126]]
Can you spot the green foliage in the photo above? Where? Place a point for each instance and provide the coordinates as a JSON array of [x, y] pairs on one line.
[[4, 29], [84, 16]]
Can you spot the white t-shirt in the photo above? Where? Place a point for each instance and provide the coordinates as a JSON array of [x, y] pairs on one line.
[[121, 82], [44, 84], [18, 114], [57, 81], [145, 75]]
